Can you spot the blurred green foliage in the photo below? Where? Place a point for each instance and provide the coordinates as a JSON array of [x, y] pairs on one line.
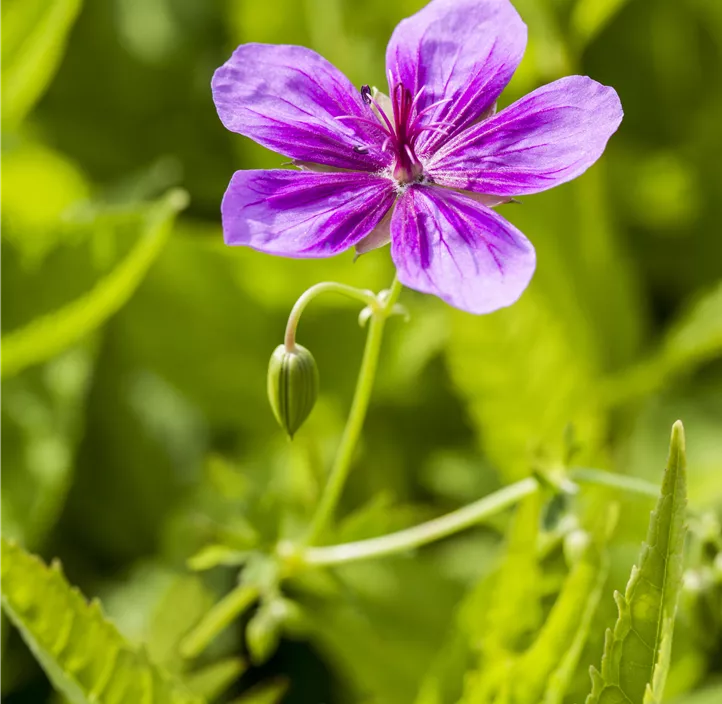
[[135, 425]]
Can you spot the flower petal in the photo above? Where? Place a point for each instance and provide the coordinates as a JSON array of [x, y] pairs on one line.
[[548, 137], [447, 244], [303, 214], [463, 51], [289, 99]]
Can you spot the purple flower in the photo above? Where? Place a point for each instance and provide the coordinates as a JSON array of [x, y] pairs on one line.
[[421, 168]]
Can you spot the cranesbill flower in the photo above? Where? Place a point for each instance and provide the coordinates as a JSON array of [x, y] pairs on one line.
[[422, 168]]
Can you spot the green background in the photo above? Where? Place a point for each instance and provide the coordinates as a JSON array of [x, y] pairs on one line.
[[135, 424]]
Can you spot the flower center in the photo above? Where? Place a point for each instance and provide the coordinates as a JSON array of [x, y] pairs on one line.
[[403, 127]]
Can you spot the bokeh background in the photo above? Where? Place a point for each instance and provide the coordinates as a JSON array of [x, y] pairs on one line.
[[135, 427]]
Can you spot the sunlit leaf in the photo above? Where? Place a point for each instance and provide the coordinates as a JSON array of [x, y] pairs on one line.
[[265, 693], [544, 672], [591, 16], [35, 225], [213, 680], [522, 395], [81, 652], [49, 334], [214, 555], [42, 423], [693, 339], [505, 611], [34, 34], [637, 651], [697, 335], [708, 695]]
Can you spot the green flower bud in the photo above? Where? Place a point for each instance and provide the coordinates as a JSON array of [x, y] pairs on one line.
[[292, 386]]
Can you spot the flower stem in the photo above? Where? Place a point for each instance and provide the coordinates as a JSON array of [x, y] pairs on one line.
[[463, 518], [585, 475], [380, 310], [364, 296], [424, 533], [217, 619]]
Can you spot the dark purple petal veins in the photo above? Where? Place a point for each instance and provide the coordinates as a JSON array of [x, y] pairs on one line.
[[547, 138], [290, 99], [453, 247], [453, 58], [303, 214]]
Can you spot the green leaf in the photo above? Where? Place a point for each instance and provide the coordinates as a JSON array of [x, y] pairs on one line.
[[637, 651], [32, 224], [693, 339], [43, 418], [82, 653], [522, 396], [544, 672], [265, 693], [505, 611], [49, 334], [589, 17], [34, 34], [213, 680], [211, 556], [708, 695], [514, 612], [697, 335]]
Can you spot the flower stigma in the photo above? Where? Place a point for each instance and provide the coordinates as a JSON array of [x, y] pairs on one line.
[[402, 128]]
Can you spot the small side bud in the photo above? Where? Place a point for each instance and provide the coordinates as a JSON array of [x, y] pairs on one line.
[[292, 386]]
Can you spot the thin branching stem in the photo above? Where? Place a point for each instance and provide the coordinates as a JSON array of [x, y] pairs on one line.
[[382, 308], [358, 294]]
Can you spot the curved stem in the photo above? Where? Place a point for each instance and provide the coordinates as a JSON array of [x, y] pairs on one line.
[[463, 518], [424, 533], [358, 294], [381, 309]]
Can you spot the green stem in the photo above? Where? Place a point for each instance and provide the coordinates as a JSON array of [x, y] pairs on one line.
[[585, 475], [217, 619], [358, 294], [380, 311], [424, 533], [463, 518]]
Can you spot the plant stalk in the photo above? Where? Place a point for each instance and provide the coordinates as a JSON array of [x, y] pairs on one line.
[[380, 312], [358, 294], [425, 533]]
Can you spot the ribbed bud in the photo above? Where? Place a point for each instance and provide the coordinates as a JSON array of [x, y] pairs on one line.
[[292, 386]]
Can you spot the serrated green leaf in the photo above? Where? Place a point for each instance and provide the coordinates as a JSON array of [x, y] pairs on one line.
[[522, 397], [83, 654], [506, 610], [34, 33], [544, 672], [637, 651], [514, 612], [49, 334]]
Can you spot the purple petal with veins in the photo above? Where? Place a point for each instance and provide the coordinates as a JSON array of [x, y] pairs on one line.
[[421, 168]]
